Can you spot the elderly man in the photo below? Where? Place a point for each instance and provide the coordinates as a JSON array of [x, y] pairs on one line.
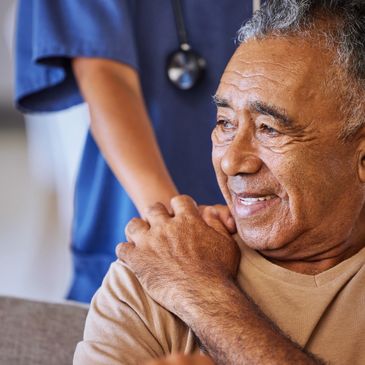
[[289, 155]]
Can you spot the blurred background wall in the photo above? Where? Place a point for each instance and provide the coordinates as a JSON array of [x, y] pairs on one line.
[[35, 208]]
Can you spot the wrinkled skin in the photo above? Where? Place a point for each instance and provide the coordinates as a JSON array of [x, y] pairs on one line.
[[215, 258], [296, 157]]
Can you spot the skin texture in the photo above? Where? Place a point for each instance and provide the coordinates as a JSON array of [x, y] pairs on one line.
[[302, 164], [276, 135]]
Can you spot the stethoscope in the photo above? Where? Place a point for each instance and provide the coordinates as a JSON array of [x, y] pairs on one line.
[[185, 67]]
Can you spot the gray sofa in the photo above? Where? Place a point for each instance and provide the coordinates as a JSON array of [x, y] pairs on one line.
[[39, 333]]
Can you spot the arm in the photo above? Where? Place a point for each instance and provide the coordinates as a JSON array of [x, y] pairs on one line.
[[235, 331], [124, 134], [122, 129], [190, 269]]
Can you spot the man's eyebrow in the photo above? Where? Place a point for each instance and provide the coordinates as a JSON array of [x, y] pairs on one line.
[[220, 102], [277, 113], [260, 107]]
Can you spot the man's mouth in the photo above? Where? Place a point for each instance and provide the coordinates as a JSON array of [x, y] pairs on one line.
[[247, 205], [252, 201]]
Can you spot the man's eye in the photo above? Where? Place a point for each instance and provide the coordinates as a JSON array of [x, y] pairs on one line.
[[225, 124], [264, 128]]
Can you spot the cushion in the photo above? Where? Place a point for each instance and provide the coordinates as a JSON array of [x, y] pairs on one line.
[[37, 333]]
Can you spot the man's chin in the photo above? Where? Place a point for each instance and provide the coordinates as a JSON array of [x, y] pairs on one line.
[[259, 239]]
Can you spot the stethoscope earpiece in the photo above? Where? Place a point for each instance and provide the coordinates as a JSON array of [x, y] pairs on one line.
[[185, 68]]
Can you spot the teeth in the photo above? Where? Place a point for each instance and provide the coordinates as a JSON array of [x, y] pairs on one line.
[[251, 201]]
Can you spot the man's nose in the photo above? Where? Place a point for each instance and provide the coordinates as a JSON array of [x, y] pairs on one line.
[[241, 157]]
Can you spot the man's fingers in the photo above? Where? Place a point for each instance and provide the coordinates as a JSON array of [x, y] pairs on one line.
[[184, 204], [156, 213], [214, 222], [217, 217], [218, 212], [123, 251], [224, 214], [135, 228], [231, 225]]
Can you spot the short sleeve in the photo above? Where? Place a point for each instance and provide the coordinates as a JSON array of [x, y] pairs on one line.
[[50, 33], [125, 326]]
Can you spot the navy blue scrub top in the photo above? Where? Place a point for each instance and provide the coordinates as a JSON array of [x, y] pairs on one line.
[[140, 33]]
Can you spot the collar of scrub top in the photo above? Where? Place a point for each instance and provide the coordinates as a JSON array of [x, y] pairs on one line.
[[185, 67]]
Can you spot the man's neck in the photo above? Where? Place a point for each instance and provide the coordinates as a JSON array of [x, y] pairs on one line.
[[317, 264]]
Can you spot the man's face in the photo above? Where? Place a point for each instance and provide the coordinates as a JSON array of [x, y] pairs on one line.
[[292, 186]]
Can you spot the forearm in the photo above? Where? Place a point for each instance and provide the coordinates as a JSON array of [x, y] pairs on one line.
[[123, 131], [235, 331]]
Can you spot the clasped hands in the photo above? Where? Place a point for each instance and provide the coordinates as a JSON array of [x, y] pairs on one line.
[[179, 256]]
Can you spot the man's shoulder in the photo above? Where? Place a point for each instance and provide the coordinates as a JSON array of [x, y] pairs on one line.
[[123, 282], [121, 287], [126, 326]]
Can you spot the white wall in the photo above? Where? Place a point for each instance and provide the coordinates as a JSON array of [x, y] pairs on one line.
[[34, 240]]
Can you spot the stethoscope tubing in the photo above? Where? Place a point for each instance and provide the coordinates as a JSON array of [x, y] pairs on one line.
[[185, 67], [180, 24]]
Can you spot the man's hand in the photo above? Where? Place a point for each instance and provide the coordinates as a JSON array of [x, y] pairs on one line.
[[221, 212], [183, 360], [177, 257], [189, 266]]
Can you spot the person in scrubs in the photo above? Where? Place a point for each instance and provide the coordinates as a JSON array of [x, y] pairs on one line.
[[116, 56]]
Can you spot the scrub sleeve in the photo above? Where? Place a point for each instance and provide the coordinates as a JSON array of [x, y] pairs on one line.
[[141, 34]]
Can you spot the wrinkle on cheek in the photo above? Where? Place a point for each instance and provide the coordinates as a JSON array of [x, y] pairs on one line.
[[287, 144], [277, 148], [217, 155], [286, 147], [218, 142]]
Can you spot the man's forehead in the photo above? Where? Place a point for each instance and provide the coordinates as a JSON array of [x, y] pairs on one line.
[[288, 53], [282, 65]]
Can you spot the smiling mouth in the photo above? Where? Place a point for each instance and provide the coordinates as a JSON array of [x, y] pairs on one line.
[[248, 205], [252, 201]]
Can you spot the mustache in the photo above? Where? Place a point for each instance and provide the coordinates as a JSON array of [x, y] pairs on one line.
[[250, 183]]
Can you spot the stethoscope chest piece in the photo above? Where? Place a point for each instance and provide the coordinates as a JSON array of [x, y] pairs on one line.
[[185, 68]]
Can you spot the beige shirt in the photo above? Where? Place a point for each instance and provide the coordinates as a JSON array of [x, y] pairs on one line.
[[324, 313]]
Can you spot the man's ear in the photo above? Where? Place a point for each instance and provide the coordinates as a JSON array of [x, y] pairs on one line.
[[361, 160]]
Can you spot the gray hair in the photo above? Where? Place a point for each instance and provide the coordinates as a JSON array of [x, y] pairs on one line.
[[298, 18]]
